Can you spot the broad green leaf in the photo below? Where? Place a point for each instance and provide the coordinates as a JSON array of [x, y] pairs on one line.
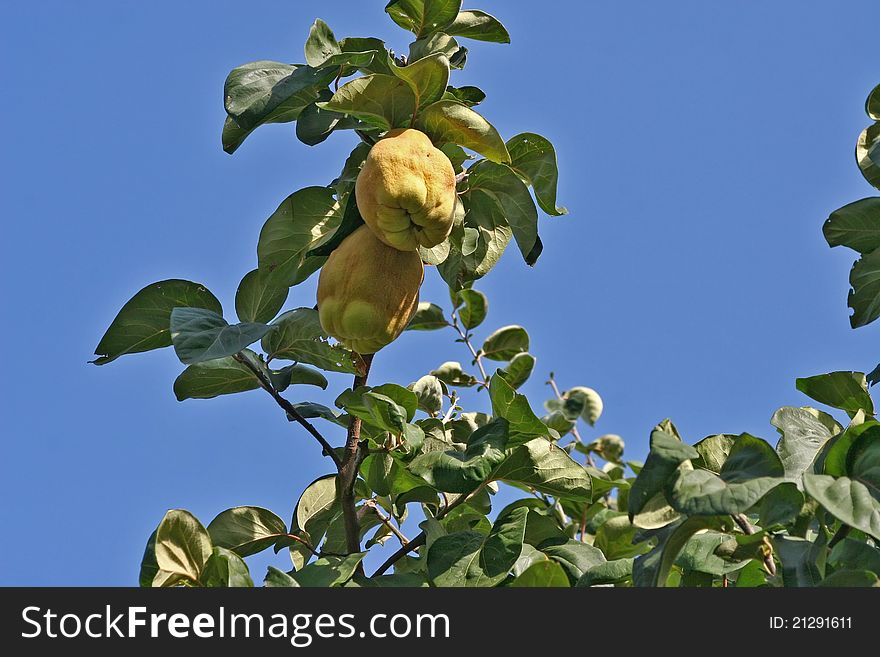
[[454, 560], [144, 322], [781, 506], [427, 77], [510, 193], [652, 569], [258, 300], [547, 468], [438, 43], [201, 335], [315, 124], [297, 374], [872, 104], [617, 571], [667, 453], [183, 546], [575, 557], [610, 447], [149, 566], [321, 44], [225, 569], [534, 160], [466, 95], [866, 149], [477, 244], [832, 459], [864, 297], [518, 370], [298, 336], [582, 402], [345, 182], [505, 343], [351, 221], [475, 24], [557, 421], [429, 391], [751, 458], [699, 555], [474, 308], [615, 538], [312, 410], [428, 317], [328, 571], [851, 579], [847, 391], [515, 408], [799, 567], [804, 432], [713, 451], [848, 500], [452, 374], [703, 493], [422, 17], [246, 530], [852, 554], [384, 101], [278, 579], [449, 121], [378, 409], [504, 543], [301, 223], [453, 471], [543, 574], [856, 225], [222, 376], [379, 63], [317, 503]]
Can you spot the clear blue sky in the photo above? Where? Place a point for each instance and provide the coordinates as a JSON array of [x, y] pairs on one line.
[[701, 146]]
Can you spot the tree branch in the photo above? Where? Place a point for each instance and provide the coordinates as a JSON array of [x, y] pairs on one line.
[[352, 458], [289, 408], [387, 522], [744, 524], [420, 539]]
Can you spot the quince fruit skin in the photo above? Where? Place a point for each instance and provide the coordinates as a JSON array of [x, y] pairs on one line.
[[406, 191], [368, 291]]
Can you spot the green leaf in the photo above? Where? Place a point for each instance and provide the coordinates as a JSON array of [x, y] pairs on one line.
[[428, 317], [438, 43], [149, 566], [703, 493], [543, 574], [781, 506], [852, 554], [183, 546], [452, 374], [515, 408], [547, 468], [298, 336], [534, 160], [832, 460], [575, 557], [615, 538], [713, 451], [429, 391], [321, 44], [312, 410], [478, 25], [653, 568], [301, 223], [864, 297], [505, 343], [466, 95], [453, 471], [328, 571], [872, 104], [454, 560], [422, 17], [449, 121], [225, 569], [751, 458], [847, 391], [616, 571], [667, 453], [474, 308], [246, 530], [504, 543], [477, 244], [388, 407], [316, 505], [144, 321], [257, 300], [293, 375], [699, 555], [504, 186], [222, 376], [866, 149], [804, 432], [848, 500], [582, 402], [427, 77], [384, 101], [315, 124], [856, 225], [278, 579], [201, 335], [851, 579], [798, 557], [518, 369]]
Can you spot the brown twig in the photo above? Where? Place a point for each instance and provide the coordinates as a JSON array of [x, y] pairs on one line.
[[353, 455], [744, 524], [466, 338], [385, 520], [289, 408]]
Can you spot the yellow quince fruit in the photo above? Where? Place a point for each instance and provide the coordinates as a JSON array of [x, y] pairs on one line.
[[406, 191], [368, 291]]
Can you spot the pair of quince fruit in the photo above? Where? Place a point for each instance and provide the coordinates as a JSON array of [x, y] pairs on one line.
[[368, 289]]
